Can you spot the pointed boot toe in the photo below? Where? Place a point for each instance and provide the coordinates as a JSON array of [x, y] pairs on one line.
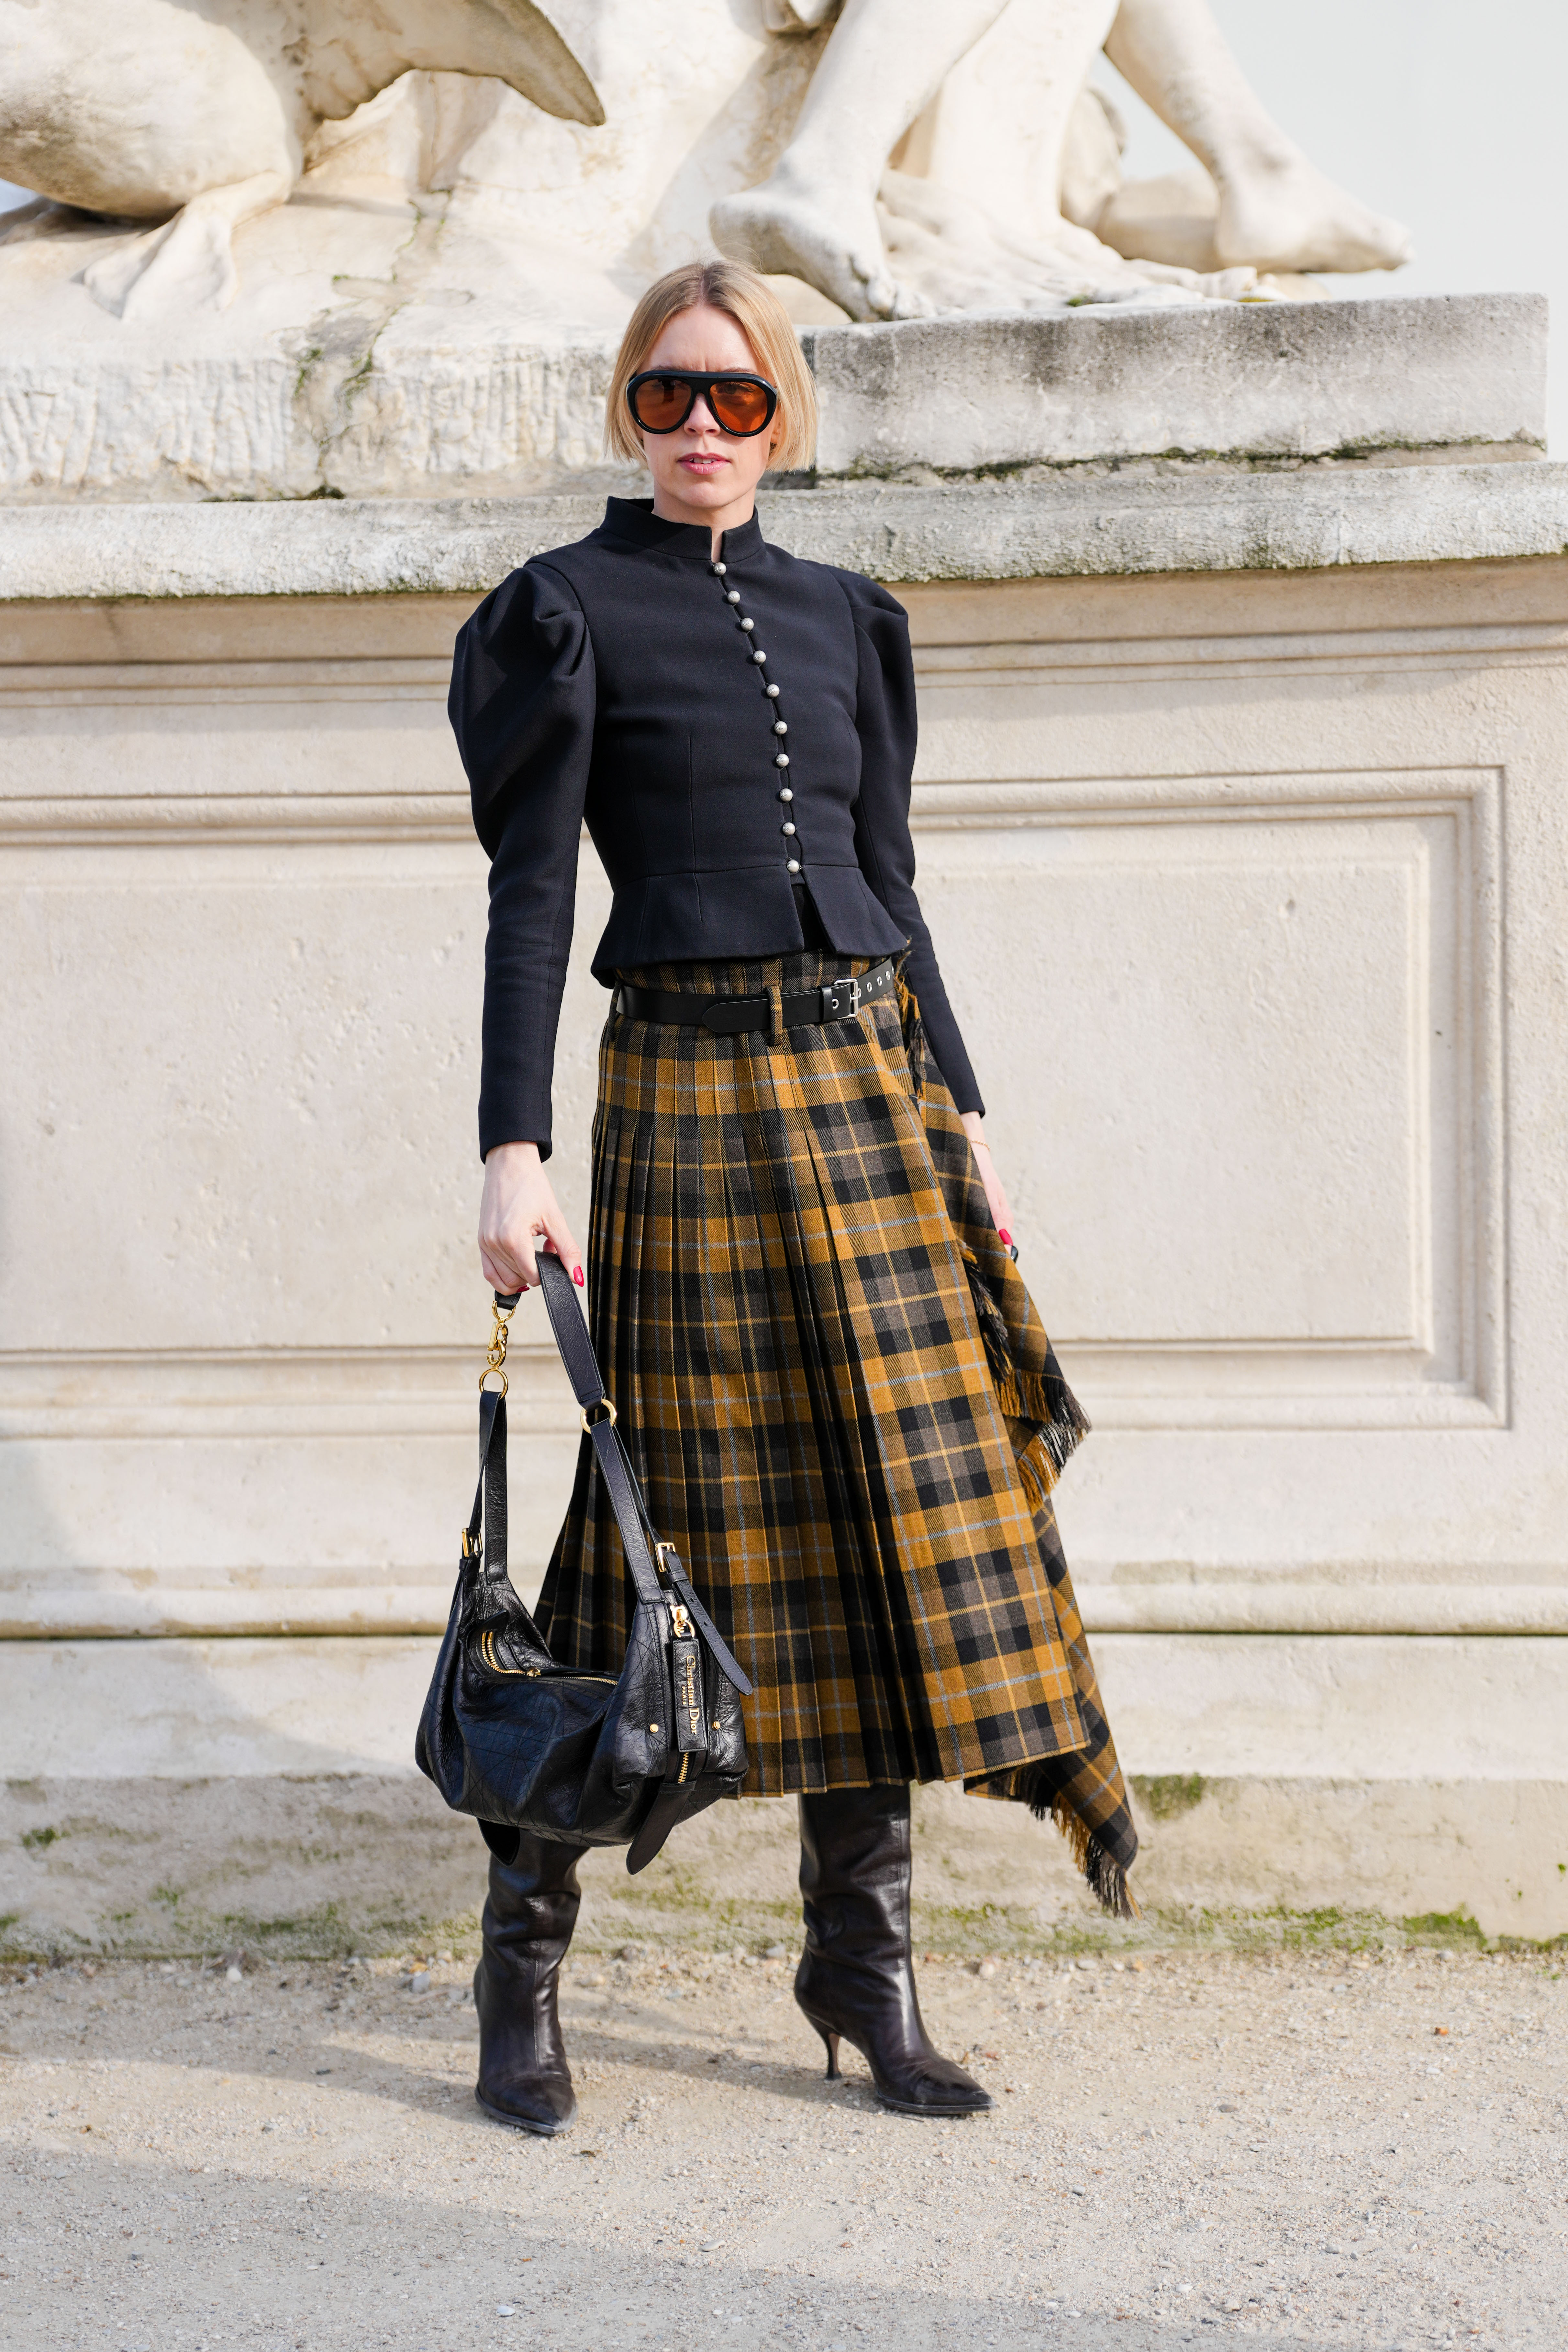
[[932, 2086]]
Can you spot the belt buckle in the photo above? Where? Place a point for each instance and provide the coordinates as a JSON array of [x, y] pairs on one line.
[[831, 1008]]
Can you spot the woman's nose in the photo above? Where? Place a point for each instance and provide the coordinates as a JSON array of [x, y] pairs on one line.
[[702, 419]]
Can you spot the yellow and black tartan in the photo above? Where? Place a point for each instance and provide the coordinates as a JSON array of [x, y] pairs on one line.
[[843, 1408]]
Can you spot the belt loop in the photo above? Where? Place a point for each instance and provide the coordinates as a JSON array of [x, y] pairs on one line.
[[776, 1018]]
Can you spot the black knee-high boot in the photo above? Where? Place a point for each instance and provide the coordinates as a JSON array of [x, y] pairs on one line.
[[528, 1921], [856, 1979]]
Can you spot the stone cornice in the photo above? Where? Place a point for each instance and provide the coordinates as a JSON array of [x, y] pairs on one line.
[[1105, 523]]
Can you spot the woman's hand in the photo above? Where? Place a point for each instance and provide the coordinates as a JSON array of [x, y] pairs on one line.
[[518, 1210], [1002, 1214]]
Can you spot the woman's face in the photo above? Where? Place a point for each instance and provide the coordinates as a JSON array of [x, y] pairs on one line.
[[699, 473]]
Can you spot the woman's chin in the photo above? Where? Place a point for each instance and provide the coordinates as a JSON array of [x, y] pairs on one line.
[[707, 489]]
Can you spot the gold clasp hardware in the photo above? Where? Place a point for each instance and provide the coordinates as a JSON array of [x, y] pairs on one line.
[[609, 1410], [495, 1356], [680, 1621]]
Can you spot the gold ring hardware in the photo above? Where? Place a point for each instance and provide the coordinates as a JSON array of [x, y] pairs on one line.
[[609, 1410], [680, 1621], [495, 1354]]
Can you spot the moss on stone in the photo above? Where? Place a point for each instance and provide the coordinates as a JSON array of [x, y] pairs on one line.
[[1166, 1796]]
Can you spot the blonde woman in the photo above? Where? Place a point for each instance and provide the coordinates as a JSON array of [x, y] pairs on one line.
[[841, 1402]]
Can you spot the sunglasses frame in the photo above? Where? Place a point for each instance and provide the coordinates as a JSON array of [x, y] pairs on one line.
[[700, 382]]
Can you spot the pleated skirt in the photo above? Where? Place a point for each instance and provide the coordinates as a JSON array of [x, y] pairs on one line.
[[843, 1408]]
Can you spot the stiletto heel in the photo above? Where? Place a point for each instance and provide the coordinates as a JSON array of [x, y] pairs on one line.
[[831, 2040]]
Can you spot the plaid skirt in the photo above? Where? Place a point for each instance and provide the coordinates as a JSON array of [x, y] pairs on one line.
[[843, 1408]]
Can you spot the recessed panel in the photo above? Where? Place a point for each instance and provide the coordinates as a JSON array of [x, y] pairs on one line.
[[1219, 1059]]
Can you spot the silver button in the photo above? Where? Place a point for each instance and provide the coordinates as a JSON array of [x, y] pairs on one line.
[[781, 759], [792, 866], [786, 795], [772, 692], [780, 726], [748, 626], [758, 656], [718, 570], [732, 596], [787, 828]]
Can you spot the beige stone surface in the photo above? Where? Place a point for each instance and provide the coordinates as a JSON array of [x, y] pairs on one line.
[[93, 582], [217, 1849], [1337, 2149], [1249, 890], [1300, 379], [438, 386], [441, 156]]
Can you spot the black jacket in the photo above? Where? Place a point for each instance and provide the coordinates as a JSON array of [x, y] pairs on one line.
[[612, 680]]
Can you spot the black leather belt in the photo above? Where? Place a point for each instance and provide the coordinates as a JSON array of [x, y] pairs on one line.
[[727, 1016]]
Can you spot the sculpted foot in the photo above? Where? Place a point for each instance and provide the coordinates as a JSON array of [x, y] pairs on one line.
[[827, 235], [1286, 216], [188, 263]]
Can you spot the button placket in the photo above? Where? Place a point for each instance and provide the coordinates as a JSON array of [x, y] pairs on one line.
[[757, 655]]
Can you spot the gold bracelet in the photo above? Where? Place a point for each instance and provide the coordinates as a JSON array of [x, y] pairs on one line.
[[978, 1143]]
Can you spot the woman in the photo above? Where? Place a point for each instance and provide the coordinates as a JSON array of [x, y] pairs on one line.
[[840, 1400]]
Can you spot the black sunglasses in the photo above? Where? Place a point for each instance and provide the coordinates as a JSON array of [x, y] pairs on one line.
[[661, 399]]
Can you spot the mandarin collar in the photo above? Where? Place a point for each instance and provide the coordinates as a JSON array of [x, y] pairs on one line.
[[634, 523]]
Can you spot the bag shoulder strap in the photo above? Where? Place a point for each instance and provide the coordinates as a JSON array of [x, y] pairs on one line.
[[640, 1538]]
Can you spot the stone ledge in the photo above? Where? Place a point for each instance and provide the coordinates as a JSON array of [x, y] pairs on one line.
[[404, 396], [1229, 380], [306, 1864], [1133, 521]]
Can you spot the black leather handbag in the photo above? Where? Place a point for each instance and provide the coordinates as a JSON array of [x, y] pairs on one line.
[[524, 1743]]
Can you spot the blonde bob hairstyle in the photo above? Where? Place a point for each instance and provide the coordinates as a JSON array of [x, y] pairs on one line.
[[767, 327]]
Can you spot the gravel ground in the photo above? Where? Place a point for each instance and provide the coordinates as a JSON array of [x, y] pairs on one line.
[[1330, 2150]]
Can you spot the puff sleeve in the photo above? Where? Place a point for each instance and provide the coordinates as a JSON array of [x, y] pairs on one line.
[[521, 707], [885, 724]]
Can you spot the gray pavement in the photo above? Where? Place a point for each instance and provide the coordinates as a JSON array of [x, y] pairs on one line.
[[1349, 2150]]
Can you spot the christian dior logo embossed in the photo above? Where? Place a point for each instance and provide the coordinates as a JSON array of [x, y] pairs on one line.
[[688, 1695]]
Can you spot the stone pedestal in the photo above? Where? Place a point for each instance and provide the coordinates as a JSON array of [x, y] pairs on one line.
[[1241, 826]]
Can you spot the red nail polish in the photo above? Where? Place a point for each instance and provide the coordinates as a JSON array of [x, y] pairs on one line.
[[1005, 1237], [577, 1276]]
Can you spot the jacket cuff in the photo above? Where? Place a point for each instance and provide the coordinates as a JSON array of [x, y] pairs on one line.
[[514, 1123]]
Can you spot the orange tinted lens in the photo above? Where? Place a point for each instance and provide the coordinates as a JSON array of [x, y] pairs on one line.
[[740, 408], [660, 403]]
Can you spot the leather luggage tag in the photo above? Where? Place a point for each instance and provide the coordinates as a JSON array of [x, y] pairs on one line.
[[685, 1674]]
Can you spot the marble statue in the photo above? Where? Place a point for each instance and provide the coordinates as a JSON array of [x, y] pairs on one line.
[[976, 103], [149, 109], [926, 155], [238, 280]]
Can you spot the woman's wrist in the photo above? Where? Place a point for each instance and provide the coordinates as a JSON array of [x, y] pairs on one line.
[[502, 1151]]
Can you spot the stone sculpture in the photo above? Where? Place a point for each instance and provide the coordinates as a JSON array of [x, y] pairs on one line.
[[942, 155], [433, 307], [982, 106], [149, 107]]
